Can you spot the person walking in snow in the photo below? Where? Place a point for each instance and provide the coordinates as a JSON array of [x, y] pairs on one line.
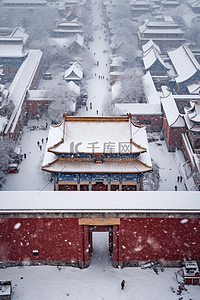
[[178, 179], [181, 178], [175, 188], [122, 284]]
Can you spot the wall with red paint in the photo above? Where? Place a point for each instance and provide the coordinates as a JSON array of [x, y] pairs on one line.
[[55, 238], [159, 238], [135, 239]]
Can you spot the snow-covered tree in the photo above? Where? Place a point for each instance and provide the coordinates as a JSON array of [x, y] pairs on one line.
[[121, 10], [151, 179], [131, 87], [6, 150], [86, 20], [63, 101], [193, 33], [87, 62]]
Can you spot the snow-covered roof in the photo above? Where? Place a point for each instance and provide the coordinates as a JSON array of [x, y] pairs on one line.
[[144, 202], [151, 57], [19, 33], [73, 73], [187, 69], [3, 122], [24, 2], [74, 87], [172, 114], [21, 83], [38, 95], [138, 108], [8, 50], [89, 130], [189, 18], [192, 114], [146, 47], [97, 135], [68, 41], [152, 95], [194, 88], [116, 88], [116, 42], [163, 27]]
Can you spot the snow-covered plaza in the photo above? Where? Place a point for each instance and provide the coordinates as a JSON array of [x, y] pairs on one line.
[[99, 281]]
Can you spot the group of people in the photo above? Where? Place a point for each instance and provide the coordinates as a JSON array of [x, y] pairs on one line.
[[179, 179]]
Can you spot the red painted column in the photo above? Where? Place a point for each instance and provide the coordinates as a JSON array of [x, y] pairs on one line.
[[115, 245], [86, 244]]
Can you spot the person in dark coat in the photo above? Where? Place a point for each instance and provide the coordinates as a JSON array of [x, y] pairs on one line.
[[175, 188], [122, 284]]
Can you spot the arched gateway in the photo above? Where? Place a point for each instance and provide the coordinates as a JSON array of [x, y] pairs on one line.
[[56, 228]]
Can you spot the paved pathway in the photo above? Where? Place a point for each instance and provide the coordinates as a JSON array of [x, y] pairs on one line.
[[99, 91]]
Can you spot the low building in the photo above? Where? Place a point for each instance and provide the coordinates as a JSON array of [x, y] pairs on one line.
[[97, 153], [74, 74]]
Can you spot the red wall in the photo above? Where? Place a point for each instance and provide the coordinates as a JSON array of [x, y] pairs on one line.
[[156, 120], [159, 238], [56, 239], [135, 239], [173, 134]]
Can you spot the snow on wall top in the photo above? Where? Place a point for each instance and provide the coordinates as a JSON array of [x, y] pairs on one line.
[[190, 66], [171, 202], [138, 108], [20, 85], [172, 114], [150, 90]]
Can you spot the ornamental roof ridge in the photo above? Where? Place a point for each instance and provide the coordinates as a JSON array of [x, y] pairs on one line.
[[97, 119]]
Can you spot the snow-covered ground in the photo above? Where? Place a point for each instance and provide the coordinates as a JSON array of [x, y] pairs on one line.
[[99, 90], [99, 281], [169, 168], [30, 176]]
